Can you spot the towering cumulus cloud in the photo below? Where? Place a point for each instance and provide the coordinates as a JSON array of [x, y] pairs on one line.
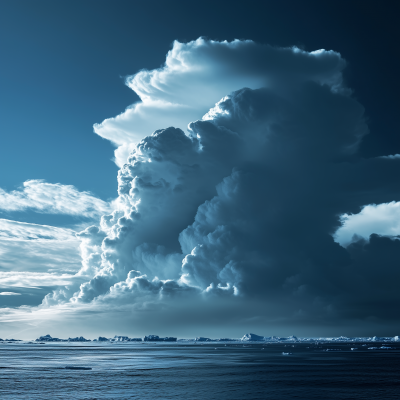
[[235, 218]]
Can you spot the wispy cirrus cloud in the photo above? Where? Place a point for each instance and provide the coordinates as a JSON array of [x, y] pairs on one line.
[[35, 259], [15, 230], [24, 279], [9, 294], [32, 247], [53, 198]]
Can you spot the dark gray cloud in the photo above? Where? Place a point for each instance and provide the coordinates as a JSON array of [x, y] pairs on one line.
[[234, 222]]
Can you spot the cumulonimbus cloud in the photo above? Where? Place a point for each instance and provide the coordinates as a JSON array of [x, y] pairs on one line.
[[235, 219], [53, 198]]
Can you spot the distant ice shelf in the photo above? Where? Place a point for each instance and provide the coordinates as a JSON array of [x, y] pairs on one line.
[[248, 337], [48, 338]]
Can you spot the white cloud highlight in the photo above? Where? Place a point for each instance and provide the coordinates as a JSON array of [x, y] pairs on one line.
[[382, 219], [9, 294]]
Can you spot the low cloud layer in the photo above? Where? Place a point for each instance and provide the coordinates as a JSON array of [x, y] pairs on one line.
[[247, 218]]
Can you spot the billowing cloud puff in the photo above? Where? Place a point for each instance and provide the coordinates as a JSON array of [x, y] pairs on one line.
[[235, 220], [383, 219], [199, 73], [53, 198]]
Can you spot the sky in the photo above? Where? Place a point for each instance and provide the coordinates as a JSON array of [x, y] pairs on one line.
[[203, 170]]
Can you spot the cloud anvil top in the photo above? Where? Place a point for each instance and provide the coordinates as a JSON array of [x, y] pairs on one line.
[[242, 198], [199, 73]]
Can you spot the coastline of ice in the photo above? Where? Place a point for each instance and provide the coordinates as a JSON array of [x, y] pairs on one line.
[[248, 337]]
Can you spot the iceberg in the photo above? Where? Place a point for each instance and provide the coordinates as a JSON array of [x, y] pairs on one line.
[[78, 339], [117, 338], [151, 338], [341, 339], [120, 339], [169, 339], [377, 339], [125, 339], [48, 338], [155, 338], [251, 337], [202, 339]]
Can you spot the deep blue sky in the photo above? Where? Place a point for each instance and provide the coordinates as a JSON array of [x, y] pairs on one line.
[[63, 64]]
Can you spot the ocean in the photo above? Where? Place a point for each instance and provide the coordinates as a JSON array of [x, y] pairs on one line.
[[272, 371]]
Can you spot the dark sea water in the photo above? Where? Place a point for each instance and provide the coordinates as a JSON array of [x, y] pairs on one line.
[[195, 371]]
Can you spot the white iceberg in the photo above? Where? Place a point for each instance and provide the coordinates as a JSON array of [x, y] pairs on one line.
[[251, 337], [202, 339]]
